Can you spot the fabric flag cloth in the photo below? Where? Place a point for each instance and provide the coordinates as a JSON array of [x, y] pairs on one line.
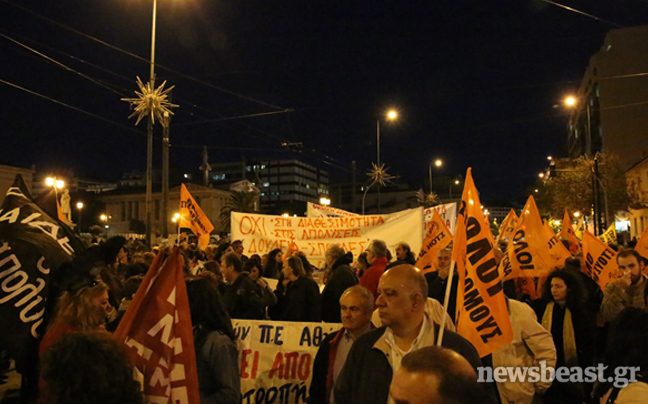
[[642, 244], [508, 226], [34, 248], [557, 249], [529, 254], [157, 332], [580, 228], [482, 314], [609, 236], [437, 238], [600, 260], [567, 233], [192, 217]]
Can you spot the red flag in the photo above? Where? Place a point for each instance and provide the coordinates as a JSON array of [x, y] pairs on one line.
[[158, 334], [482, 315]]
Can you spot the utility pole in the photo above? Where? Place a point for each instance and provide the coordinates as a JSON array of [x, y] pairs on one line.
[[165, 176]]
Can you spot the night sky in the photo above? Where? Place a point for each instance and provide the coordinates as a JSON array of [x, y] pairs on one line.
[[476, 83]]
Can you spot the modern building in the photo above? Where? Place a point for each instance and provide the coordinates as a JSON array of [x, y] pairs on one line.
[[284, 184], [611, 111], [637, 179]]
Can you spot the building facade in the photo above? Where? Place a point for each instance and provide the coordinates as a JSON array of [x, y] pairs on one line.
[[637, 179]]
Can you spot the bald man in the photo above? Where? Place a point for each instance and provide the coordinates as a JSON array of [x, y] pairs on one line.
[[377, 355], [436, 375]]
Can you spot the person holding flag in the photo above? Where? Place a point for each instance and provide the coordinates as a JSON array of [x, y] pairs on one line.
[[627, 291]]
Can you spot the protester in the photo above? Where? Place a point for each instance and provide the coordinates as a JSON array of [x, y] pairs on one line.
[[237, 245], [356, 306], [563, 311], [362, 265], [404, 255], [298, 298], [339, 278], [437, 281], [377, 355], [436, 375], [627, 349], [308, 267], [88, 368], [253, 271], [241, 296], [377, 258], [219, 378], [627, 291], [274, 264], [531, 344]]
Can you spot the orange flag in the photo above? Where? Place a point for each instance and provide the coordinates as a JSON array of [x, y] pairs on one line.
[[192, 217], [556, 248], [567, 233], [158, 334], [529, 256], [642, 244], [600, 260], [482, 315], [437, 238], [508, 226]]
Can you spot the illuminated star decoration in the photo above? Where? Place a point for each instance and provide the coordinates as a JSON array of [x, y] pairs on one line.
[[151, 102], [379, 174]]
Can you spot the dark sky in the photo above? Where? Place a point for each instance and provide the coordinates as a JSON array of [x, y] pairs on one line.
[[476, 83]]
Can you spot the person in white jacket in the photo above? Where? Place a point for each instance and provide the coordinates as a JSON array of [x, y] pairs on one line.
[[531, 345]]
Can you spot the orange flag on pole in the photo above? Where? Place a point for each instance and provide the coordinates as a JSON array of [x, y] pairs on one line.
[[508, 226], [567, 233], [556, 248], [600, 260], [437, 238], [529, 255], [642, 244], [158, 334], [482, 314], [192, 217]]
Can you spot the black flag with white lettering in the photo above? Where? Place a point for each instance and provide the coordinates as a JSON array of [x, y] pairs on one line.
[[33, 248]]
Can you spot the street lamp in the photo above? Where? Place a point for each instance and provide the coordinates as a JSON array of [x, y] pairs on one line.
[[438, 163], [79, 206], [456, 182], [104, 218], [324, 201], [391, 115]]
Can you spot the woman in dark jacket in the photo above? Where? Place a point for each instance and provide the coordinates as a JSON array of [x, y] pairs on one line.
[[298, 298], [219, 379], [274, 264], [562, 310]]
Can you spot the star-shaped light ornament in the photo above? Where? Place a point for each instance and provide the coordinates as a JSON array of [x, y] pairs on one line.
[[151, 102], [379, 174]]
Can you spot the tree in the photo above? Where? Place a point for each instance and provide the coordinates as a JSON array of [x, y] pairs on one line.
[[239, 201], [572, 186]]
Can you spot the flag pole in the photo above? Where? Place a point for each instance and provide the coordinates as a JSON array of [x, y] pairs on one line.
[[446, 300]]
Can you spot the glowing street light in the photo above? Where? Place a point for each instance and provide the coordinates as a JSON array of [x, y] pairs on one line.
[[570, 101], [324, 201], [541, 175], [437, 163], [79, 206], [577, 214]]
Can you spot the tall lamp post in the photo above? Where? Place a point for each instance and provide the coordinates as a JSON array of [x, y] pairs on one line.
[[149, 142], [79, 206], [391, 115], [437, 163]]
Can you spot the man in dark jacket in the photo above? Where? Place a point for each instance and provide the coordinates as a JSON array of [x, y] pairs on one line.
[[356, 307], [241, 296], [375, 356], [340, 277]]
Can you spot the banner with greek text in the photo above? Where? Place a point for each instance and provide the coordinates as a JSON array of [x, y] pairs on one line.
[[557, 249], [642, 245], [482, 315], [263, 233], [157, 332], [33, 248], [610, 236], [600, 260], [315, 210], [276, 359], [447, 211], [192, 217], [436, 238], [508, 226], [528, 255]]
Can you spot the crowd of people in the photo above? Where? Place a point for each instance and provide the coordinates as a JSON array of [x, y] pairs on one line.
[[390, 311]]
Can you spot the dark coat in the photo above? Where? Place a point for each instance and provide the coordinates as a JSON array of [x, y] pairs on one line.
[[339, 279], [437, 290], [244, 300], [299, 301], [367, 373]]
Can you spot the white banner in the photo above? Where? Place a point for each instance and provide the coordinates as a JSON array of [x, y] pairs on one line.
[[448, 213], [315, 210], [276, 358], [263, 233]]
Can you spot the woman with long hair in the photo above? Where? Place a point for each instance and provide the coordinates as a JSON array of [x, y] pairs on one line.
[[215, 344], [562, 310], [298, 297], [274, 264]]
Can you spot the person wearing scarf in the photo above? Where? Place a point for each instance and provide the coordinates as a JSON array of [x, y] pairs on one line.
[[562, 311]]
